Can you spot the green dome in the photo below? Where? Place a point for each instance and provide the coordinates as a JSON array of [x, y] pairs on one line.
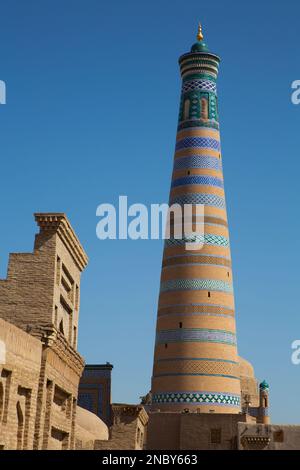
[[199, 46], [264, 385]]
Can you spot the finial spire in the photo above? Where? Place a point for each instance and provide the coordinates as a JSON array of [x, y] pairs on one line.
[[200, 35]]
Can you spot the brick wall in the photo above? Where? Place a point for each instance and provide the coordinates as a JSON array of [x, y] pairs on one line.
[[129, 429], [19, 378], [40, 375], [197, 431]]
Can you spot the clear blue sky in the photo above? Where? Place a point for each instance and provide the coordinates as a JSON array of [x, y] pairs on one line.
[[92, 103]]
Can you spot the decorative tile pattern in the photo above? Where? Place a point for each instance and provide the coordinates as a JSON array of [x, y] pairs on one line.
[[199, 84], [200, 198], [191, 258], [197, 366], [207, 239], [196, 65], [203, 398], [86, 400], [97, 393], [199, 61], [198, 142], [202, 76], [197, 179], [195, 309], [197, 161], [213, 107], [201, 314], [199, 335], [191, 123], [198, 374], [206, 359], [196, 284], [194, 99]]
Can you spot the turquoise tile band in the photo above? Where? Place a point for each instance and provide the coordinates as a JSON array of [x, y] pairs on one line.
[[196, 398]]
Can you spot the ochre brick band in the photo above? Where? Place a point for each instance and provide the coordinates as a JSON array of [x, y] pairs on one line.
[[201, 219], [194, 308], [187, 259], [202, 366]]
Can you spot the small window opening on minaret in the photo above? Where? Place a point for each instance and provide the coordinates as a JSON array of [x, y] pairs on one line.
[[204, 108], [208, 294], [186, 114], [189, 172], [166, 345], [180, 324], [228, 274]]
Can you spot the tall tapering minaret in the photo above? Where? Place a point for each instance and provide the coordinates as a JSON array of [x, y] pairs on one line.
[[195, 359]]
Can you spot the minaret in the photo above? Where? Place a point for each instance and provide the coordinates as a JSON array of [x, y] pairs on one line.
[[263, 410], [195, 360]]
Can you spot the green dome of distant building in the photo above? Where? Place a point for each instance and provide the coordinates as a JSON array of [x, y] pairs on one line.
[[264, 385], [199, 46]]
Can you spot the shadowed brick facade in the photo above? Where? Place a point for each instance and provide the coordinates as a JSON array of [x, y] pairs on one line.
[[39, 308]]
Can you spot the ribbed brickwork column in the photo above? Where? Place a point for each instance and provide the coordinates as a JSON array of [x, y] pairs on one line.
[[195, 359]]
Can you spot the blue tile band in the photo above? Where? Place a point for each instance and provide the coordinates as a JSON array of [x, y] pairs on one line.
[[196, 335], [196, 179], [199, 198], [199, 84], [196, 284], [198, 142], [198, 161]]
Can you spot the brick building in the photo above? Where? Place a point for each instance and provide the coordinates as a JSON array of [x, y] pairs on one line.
[[41, 368]]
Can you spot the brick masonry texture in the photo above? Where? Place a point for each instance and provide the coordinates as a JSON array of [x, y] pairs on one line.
[[39, 306], [40, 368]]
